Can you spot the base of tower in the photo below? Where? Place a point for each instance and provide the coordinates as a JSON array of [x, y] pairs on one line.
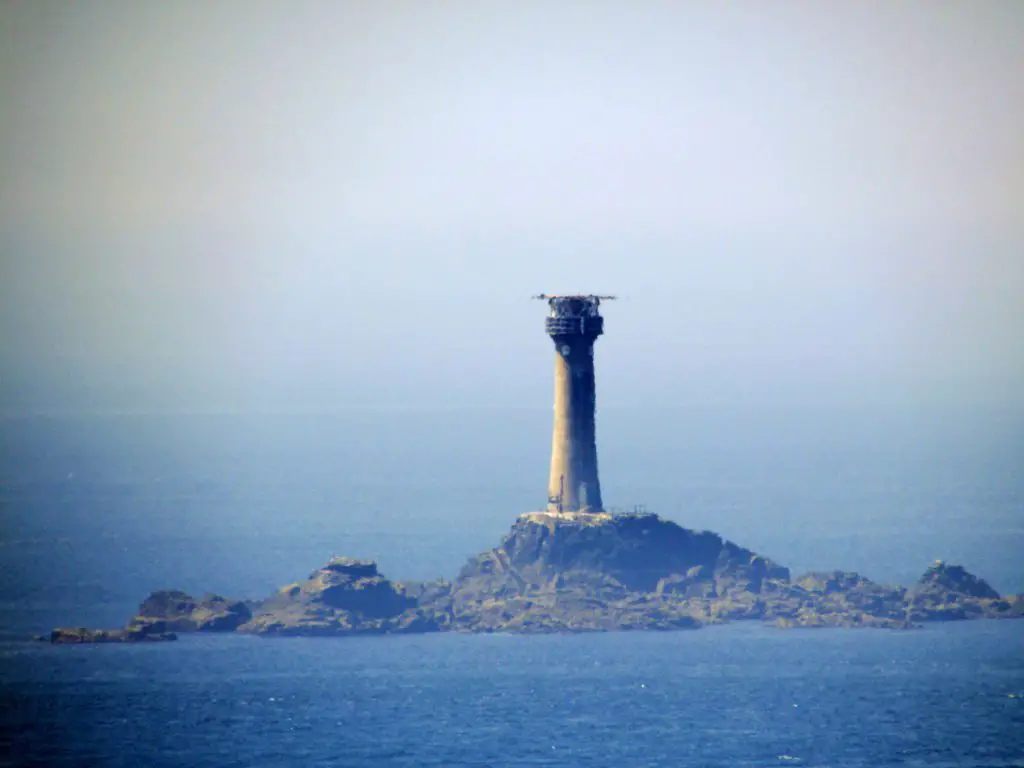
[[547, 517]]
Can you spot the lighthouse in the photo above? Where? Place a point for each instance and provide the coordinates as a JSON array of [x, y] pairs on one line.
[[574, 322]]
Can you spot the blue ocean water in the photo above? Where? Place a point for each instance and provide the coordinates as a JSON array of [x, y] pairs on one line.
[[97, 511], [739, 695]]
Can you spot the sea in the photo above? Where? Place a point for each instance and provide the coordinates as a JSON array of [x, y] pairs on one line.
[[98, 509]]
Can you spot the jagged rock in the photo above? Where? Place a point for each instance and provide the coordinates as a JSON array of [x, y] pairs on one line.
[[351, 567], [572, 612], [827, 582], [637, 550], [941, 578], [839, 592], [696, 582], [183, 613], [345, 597], [150, 633], [950, 593], [219, 614], [172, 606], [599, 572], [77, 635], [1007, 608], [425, 591], [738, 569]]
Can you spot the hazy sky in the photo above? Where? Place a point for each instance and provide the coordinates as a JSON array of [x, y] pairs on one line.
[[301, 204]]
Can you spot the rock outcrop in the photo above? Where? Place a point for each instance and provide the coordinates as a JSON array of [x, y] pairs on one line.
[[345, 597], [949, 593], [156, 631], [573, 573], [182, 613], [841, 599], [585, 572]]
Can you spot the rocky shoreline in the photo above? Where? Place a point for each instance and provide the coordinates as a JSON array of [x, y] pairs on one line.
[[572, 573]]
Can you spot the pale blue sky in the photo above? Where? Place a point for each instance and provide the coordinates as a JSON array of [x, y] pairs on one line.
[[324, 205]]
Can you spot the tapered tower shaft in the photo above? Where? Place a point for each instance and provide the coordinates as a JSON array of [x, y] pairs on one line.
[[574, 325]]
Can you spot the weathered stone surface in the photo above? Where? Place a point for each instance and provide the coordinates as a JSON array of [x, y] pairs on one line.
[[345, 597], [574, 572], [637, 550], [950, 593], [219, 614], [567, 574], [944, 579], [183, 613], [351, 567], [1007, 608], [848, 593], [168, 604], [150, 633], [598, 572]]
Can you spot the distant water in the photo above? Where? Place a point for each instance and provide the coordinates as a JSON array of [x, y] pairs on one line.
[[740, 695]]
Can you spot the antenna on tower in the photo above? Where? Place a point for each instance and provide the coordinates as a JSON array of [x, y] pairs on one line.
[[595, 296]]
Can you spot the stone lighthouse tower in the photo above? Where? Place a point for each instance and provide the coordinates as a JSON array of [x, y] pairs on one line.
[[574, 324]]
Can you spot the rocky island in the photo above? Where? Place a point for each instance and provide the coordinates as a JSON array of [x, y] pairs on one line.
[[573, 567], [572, 572]]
